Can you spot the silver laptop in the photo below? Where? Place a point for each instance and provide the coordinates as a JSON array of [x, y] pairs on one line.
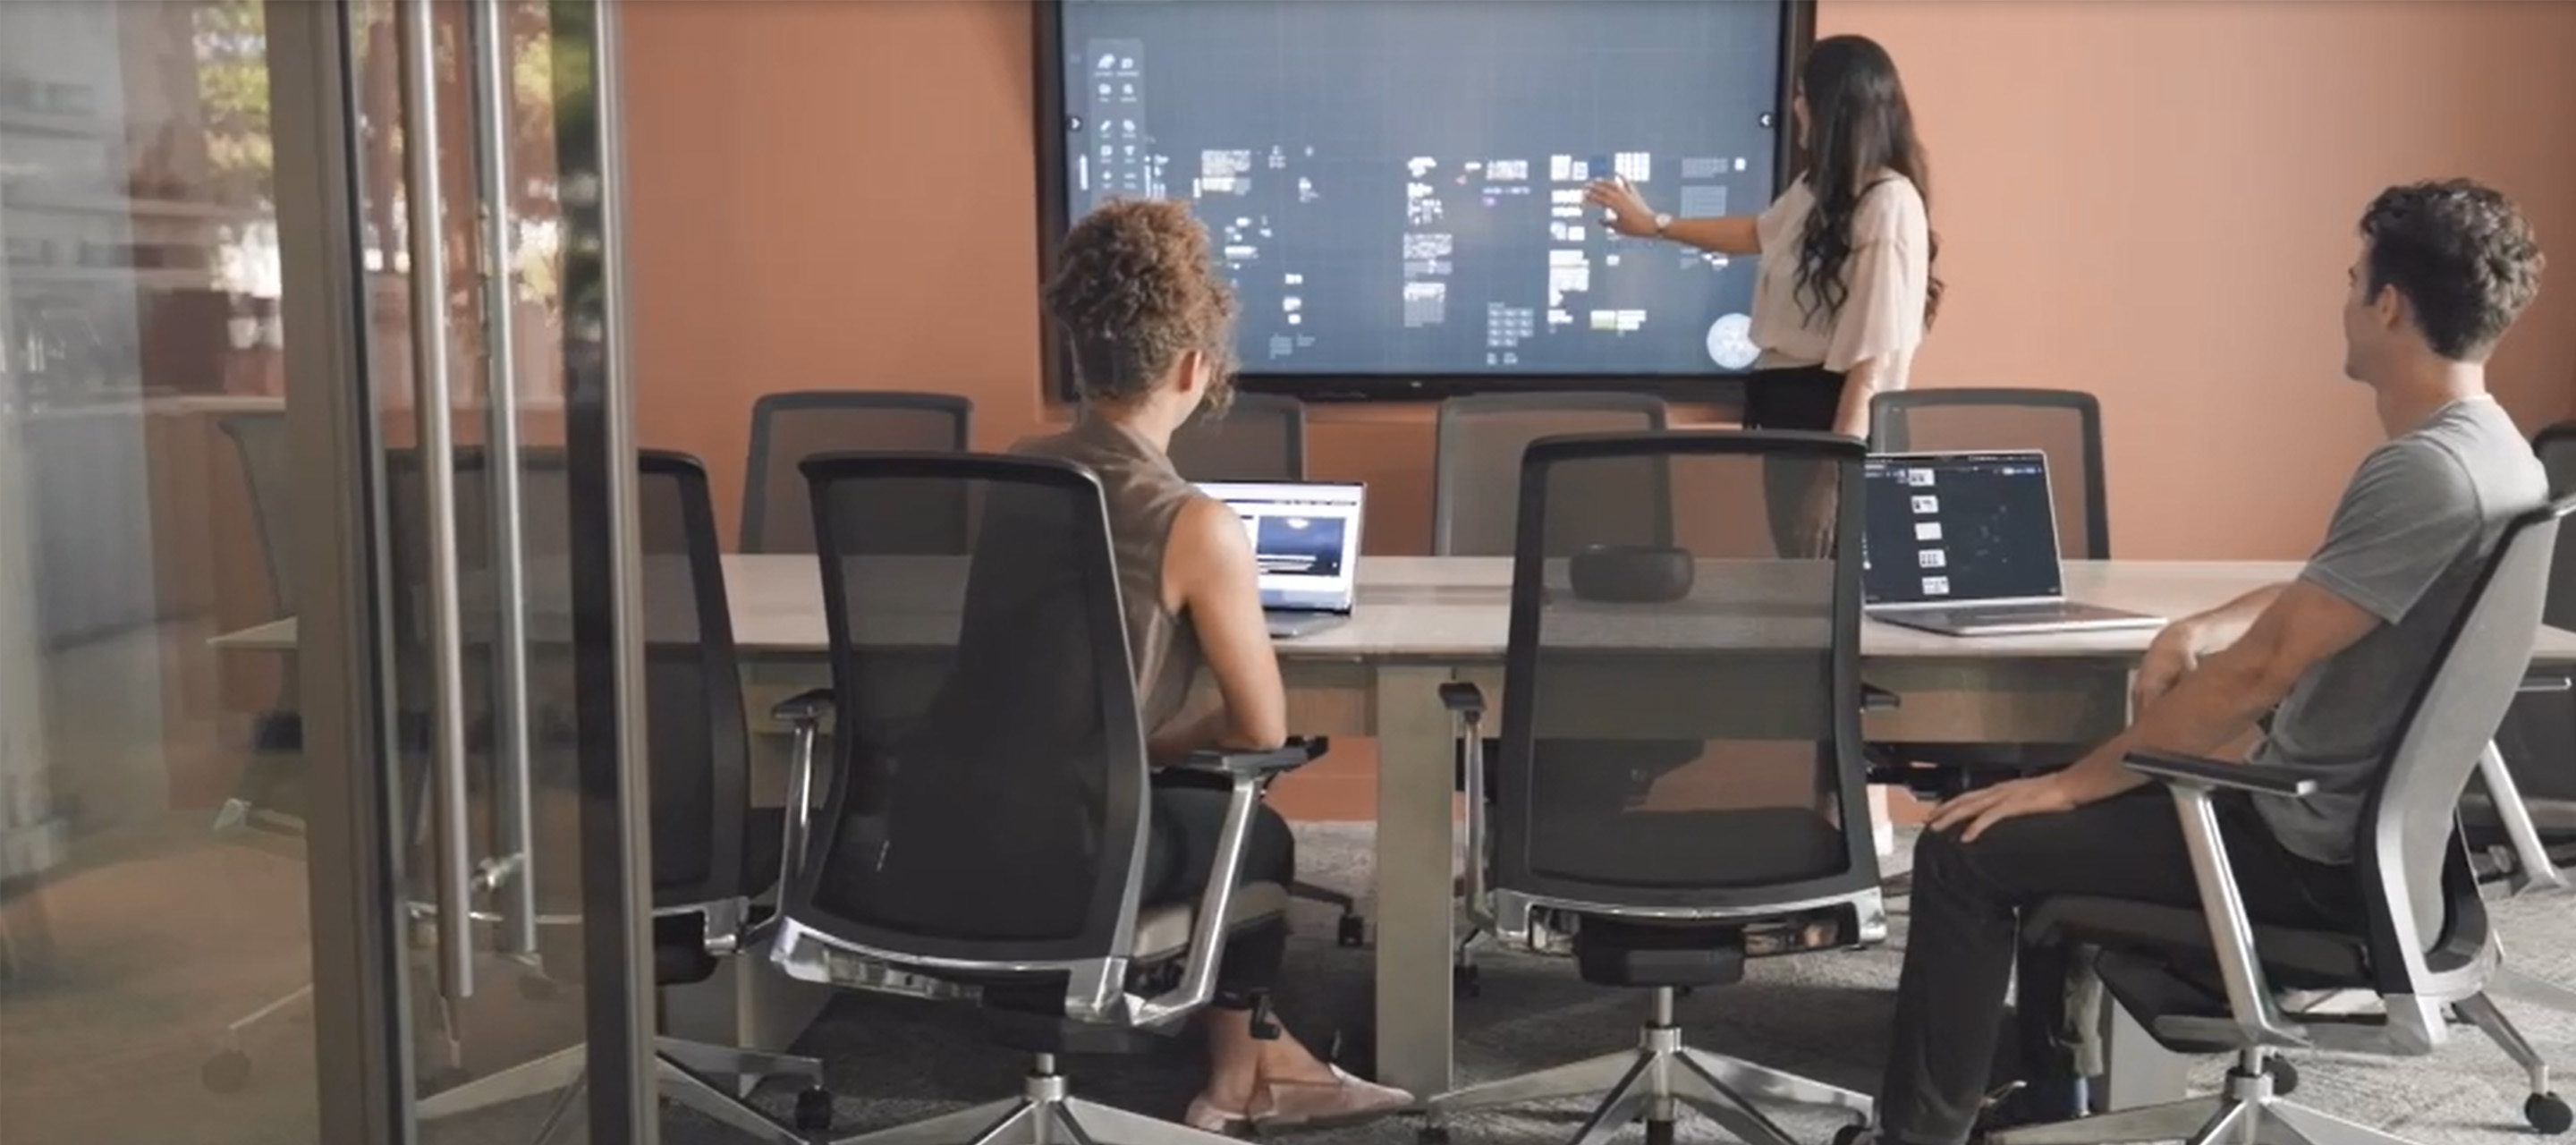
[[1965, 544], [1306, 538]]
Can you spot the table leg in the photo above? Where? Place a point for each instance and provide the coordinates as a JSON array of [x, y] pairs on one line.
[[1415, 853]]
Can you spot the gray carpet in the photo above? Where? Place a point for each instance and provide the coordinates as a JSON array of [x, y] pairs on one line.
[[891, 1060]]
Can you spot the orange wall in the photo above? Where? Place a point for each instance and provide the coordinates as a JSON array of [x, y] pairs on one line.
[[2154, 201]]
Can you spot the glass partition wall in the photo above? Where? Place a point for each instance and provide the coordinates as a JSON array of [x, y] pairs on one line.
[[313, 813]]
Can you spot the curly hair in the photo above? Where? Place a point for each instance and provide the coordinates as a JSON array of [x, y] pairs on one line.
[[2460, 254], [1135, 288]]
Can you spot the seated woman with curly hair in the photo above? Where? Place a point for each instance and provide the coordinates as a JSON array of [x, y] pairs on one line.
[[1150, 323]]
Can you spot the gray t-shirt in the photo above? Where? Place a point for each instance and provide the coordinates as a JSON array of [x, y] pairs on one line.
[[2414, 525]]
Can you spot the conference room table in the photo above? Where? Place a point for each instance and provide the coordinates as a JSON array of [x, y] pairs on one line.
[[1424, 621]]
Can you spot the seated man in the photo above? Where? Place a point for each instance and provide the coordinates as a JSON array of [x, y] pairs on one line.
[[2444, 270]]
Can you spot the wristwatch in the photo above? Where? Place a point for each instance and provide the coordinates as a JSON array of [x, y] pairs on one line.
[[1662, 221]]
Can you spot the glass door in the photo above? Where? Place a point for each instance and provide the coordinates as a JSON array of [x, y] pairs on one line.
[[503, 483]]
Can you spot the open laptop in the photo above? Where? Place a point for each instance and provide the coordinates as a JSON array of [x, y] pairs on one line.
[[1965, 544], [1306, 538]]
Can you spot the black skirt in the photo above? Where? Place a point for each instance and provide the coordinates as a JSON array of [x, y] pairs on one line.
[[1793, 397]]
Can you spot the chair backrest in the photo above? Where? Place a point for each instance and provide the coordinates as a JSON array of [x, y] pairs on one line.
[[1475, 477], [260, 440], [1260, 437], [696, 731], [2538, 738], [1750, 683], [2064, 424], [787, 428], [987, 798], [2426, 922]]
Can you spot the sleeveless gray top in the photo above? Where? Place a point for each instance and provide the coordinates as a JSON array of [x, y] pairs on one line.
[[1145, 497]]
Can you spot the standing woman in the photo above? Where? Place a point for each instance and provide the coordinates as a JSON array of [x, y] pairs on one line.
[[1845, 288]]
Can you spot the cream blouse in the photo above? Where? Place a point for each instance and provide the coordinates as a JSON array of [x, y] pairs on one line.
[[1888, 275]]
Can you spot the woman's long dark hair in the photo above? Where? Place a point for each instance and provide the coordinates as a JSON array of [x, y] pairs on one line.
[[1858, 124]]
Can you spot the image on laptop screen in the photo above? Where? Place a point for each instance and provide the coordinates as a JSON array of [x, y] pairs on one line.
[[1305, 536], [1957, 527]]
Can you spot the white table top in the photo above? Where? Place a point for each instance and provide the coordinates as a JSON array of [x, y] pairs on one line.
[[1456, 609]]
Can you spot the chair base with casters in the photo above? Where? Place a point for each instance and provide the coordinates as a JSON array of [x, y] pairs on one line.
[[1351, 929], [684, 1068], [1045, 1113], [1652, 1082], [2252, 1107]]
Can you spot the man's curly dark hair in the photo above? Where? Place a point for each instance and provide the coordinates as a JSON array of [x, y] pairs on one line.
[[2462, 256], [1135, 288]]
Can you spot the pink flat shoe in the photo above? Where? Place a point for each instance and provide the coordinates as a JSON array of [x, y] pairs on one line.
[[1343, 1101], [1208, 1117]]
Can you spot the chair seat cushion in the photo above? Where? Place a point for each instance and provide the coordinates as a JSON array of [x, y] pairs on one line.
[[1163, 930], [1752, 847], [2293, 959], [2553, 819]]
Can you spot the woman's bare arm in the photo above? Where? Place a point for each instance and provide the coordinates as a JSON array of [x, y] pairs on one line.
[[1211, 580]]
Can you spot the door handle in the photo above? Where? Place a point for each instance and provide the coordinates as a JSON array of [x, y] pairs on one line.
[[513, 869], [451, 847]]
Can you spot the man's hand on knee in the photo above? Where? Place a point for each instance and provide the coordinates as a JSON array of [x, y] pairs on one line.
[[1972, 813]]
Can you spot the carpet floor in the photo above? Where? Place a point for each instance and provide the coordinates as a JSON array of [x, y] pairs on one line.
[[891, 1060]]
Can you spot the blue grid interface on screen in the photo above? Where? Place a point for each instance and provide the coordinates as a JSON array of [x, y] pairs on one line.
[[1396, 186]]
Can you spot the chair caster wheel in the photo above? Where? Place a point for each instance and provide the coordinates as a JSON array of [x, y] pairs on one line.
[[1465, 982], [814, 1110], [537, 989], [1851, 1134], [229, 1071], [1659, 1133], [1431, 1134], [2548, 1114], [2285, 1077], [1352, 931]]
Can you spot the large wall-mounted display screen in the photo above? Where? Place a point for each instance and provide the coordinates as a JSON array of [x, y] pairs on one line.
[[1396, 186]]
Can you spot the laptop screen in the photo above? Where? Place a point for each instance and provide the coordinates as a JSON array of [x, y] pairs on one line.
[[1958, 527], [1305, 536]]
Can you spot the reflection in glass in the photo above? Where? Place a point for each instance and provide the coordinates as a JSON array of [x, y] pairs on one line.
[[153, 917]]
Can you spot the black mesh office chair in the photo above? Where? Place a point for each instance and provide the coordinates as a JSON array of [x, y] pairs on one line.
[[268, 799], [2066, 425], [787, 428], [1478, 442], [983, 830], [2204, 980], [2520, 821], [269, 796], [712, 853], [1260, 437], [1475, 503], [1685, 636]]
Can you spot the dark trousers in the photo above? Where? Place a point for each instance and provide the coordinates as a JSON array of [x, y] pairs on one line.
[[1800, 398], [1960, 951], [1182, 851]]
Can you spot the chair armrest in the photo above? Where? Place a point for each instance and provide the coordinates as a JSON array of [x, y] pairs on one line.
[[806, 707], [1877, 699], [2559, 679], [2207, 774], [1463, 699], [1263, 765], [2192, 781]]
